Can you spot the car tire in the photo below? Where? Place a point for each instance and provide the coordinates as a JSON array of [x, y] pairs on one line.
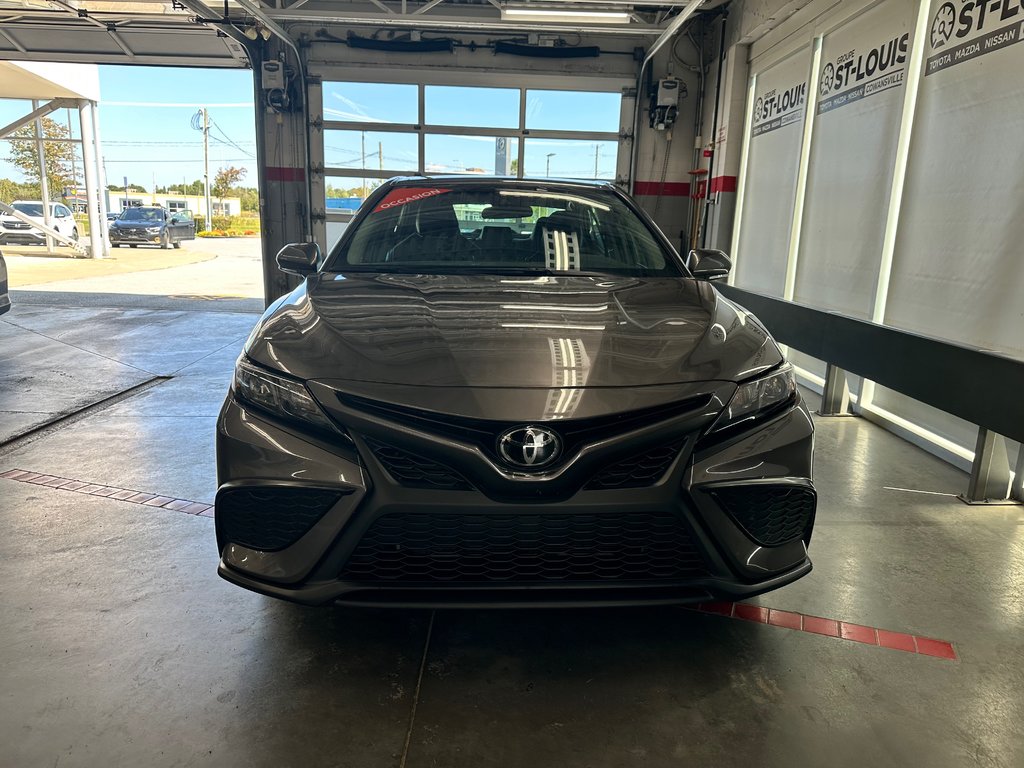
[[74, 234], [165, 241], [132, 245], [177, 244]]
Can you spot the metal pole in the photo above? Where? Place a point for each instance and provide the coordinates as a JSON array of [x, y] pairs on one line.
[[362, 141], [380, 156], [101, 176], [597, 154], [206, 168], [74, 165], [96, 239], [44, 182]]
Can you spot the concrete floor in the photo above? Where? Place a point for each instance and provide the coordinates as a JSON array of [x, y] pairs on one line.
[[119, 645]]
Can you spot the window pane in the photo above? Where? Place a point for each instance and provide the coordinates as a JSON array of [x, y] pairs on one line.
[[371, 102], [487, 107], [344, 194], [570, 159], [379, 149], [432, 227], [471, 154], [573, 111]]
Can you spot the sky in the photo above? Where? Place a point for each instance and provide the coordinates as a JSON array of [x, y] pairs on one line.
[[146, 127]]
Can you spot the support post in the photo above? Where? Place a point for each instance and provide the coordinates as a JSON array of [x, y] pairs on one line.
[[1017, 489], [206, 168], [89, 161], [990, 472], [44, 181], [101, 178], [835, 395]]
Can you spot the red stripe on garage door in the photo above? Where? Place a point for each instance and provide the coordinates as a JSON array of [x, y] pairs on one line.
[[277, 173], [664, 189], [724, 184]]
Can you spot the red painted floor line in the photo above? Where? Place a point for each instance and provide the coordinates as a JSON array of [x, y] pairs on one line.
[[844, 630], [109, 491]]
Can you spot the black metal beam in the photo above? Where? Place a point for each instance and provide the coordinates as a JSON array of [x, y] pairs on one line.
[[984, 388]]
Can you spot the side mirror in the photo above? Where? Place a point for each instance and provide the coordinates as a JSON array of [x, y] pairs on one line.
[[174, 220], [708, 263], [299, 258]]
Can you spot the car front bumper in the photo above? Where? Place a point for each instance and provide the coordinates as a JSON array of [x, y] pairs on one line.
[[118, 239], [328, 508]]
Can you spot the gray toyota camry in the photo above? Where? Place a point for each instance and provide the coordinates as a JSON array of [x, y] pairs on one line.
[[502, 392]]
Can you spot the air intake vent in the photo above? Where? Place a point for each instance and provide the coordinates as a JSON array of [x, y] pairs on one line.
[[525, 548], [638, 471], [414, 471], [770, 514], [271, 518]]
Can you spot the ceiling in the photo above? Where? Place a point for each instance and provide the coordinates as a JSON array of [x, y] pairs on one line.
[[187, 33]]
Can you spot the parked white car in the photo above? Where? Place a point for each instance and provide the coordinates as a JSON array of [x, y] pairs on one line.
[[16, 232]]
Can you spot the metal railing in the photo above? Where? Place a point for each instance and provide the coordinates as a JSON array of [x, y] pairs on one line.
[[984, 388]]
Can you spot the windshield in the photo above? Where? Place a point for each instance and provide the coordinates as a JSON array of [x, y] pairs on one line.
[[29, 209], [142, 214], [502, 229]]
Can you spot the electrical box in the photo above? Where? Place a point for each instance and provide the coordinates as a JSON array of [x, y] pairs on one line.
[[665, 103], [668, 92], [273, 75]]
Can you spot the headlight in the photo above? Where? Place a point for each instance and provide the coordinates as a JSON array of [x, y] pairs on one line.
[[757, 397], [284, 397], [153, 230]]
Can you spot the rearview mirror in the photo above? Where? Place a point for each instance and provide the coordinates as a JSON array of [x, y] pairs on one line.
[[299, 258], [708, 263]]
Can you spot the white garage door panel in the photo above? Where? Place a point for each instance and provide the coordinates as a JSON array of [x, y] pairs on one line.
[[860, 101], [957, 266], [776, 133]]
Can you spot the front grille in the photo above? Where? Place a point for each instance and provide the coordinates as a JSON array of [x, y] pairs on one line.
[[770, 514], [527, 548], [484, 433], [415, 471], [271, 518], [637, 471], [16, 225]]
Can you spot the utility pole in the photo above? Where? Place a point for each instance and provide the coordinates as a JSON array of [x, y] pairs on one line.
[[597, 154], [362, 141], [547, 165], [206, 168], [380, 156]]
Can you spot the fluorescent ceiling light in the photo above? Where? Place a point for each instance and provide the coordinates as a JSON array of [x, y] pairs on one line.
[[573, 17]]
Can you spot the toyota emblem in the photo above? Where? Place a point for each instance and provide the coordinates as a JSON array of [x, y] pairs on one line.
[[529, 447]]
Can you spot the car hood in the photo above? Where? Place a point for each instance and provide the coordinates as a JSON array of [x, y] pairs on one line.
[[494, 331]]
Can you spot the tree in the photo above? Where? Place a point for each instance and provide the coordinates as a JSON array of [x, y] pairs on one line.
[[225, 179], [59, 155]]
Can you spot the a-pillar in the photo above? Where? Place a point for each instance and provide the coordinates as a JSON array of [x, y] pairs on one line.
[[96, 239]]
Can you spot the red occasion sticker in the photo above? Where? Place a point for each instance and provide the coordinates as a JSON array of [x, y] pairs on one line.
[[397, 197]]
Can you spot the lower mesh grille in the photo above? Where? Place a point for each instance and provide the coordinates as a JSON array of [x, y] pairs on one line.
[[271, 518], [525, 548], [638, 471], [771, 514], [417, 471]]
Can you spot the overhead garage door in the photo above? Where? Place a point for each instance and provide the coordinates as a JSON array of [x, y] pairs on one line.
[[559, 127], [773, 157], [849, 178]]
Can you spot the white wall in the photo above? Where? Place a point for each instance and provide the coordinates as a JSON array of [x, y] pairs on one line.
[[824, 204]]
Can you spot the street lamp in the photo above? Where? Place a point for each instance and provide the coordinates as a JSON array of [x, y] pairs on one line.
[[547, 169]]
